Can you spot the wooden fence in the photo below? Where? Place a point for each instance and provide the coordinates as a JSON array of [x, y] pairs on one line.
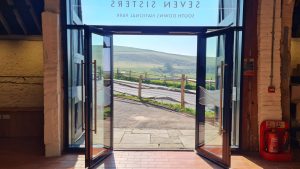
[[143, 77]]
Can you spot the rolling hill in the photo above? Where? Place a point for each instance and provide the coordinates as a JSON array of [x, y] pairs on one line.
[[152, 57], [143, 60]]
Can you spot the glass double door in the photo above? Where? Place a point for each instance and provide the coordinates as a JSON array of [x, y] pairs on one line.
[[98, 77], [214, 95]]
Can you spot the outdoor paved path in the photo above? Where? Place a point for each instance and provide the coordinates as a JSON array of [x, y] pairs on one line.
[[142, 126], [131, 114], [138, 125], [134, 138]]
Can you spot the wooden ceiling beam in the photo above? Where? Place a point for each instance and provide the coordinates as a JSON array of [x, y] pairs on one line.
[[33, 14], [21, 37], [4, 23], [18, 17]]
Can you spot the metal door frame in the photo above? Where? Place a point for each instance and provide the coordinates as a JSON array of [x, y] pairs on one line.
[[89, 161], [227, 110], [202, 32]]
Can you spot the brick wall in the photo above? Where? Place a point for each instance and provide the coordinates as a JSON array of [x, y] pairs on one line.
[[269, 104]]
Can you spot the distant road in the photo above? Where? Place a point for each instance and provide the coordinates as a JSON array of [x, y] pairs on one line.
[[159, 92]]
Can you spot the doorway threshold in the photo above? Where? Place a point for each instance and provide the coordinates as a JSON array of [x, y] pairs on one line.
[[145, 149]]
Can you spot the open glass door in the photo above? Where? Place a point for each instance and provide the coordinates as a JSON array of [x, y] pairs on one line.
[[99, 101], [213, 104]]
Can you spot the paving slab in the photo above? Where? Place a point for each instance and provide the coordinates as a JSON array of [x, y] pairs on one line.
[[135, 139], [149, 131], [160, 140], [187, 132], [136, 146], [174, 133], [171, 146], [117, 140], [122, 129], [118, 134], [160, 135], [214, 140], [188, 141]]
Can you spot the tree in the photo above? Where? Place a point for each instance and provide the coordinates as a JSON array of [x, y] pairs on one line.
[[168, 68]]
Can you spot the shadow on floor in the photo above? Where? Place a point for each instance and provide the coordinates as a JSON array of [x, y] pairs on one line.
[[27, 153]]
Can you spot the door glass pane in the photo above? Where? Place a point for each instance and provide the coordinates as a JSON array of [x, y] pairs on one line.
[[102, 102], [75, 88], [236, 90], [212, 98]]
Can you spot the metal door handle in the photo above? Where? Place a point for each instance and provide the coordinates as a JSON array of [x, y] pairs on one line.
[[221, 97], [82, 96], [95, 96]]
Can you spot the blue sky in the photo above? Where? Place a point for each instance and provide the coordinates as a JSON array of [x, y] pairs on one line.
[[101, 12], [186, 45]]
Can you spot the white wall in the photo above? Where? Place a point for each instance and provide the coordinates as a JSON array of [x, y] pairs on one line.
[[269, 104]]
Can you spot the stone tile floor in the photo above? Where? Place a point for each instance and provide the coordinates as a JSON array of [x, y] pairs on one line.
[[126, 138]]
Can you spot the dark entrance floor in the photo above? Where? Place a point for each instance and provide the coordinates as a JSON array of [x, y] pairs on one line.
[[27, 154]]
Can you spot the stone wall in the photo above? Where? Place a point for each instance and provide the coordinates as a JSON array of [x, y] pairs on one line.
[[21, 89], [21, 74], [295, 52]]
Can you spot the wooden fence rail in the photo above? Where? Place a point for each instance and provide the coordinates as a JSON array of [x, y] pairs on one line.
[[140, 77]]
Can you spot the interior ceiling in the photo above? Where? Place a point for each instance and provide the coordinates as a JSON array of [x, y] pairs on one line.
[[21, 17]]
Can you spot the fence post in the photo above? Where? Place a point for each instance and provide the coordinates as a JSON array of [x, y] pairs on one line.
[[129, 74], [182, 91], [210, 88], [140, 87], [118, 73], [186, 80]]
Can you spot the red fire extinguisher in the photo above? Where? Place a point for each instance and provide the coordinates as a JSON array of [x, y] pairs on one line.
[[285, 142], [272, 141]]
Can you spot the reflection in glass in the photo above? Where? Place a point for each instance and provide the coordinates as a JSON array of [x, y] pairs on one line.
[[75, 88], [102, 85], [236, 92], [212, 98]]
